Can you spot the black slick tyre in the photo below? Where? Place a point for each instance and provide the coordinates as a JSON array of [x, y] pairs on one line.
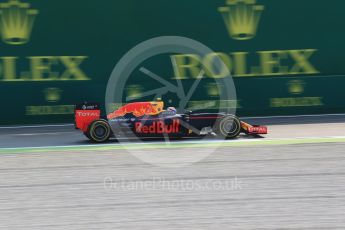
[[228, 126], [99, 131]]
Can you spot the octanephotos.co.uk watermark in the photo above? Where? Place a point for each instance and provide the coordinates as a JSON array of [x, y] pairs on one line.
[[163, 184]]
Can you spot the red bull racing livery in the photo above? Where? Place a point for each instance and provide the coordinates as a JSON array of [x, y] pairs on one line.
[[158, 127], [149, 119], [138, 109]]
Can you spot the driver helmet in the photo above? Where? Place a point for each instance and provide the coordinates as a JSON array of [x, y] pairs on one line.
[[171, 109]]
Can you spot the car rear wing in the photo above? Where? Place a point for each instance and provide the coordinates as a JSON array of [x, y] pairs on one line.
[[85, 113]]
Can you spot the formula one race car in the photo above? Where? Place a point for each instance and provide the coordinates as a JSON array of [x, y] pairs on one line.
[[149, 119]]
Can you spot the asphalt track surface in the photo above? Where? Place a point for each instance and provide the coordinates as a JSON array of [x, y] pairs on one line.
[[260, 186]]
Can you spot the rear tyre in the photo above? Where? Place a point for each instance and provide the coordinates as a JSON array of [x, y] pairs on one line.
[[99, 131], [228, 126]]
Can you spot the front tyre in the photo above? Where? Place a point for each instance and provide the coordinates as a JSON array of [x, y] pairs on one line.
[[228, 126], [99, 131]]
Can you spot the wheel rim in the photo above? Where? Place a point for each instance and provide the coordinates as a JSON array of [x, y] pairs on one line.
[[100, 131], [230, 127]]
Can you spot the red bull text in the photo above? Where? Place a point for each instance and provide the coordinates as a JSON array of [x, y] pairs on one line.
[[158, 127]]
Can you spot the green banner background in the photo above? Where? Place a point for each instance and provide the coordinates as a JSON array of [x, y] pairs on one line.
[[293, 63]]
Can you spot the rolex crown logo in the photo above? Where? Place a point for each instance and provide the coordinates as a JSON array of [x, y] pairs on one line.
[[134, 92], [241, 18], [52, 94], [213, 89], [296, 86], [16, 22]]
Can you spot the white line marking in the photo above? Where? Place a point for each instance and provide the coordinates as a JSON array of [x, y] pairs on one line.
[[296, 116], [39, 134], [35, 126]]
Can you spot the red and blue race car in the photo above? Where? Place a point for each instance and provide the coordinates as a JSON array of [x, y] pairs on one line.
[[150, 119]]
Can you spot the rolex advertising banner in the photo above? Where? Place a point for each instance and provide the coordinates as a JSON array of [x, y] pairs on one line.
[[285, 56]]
